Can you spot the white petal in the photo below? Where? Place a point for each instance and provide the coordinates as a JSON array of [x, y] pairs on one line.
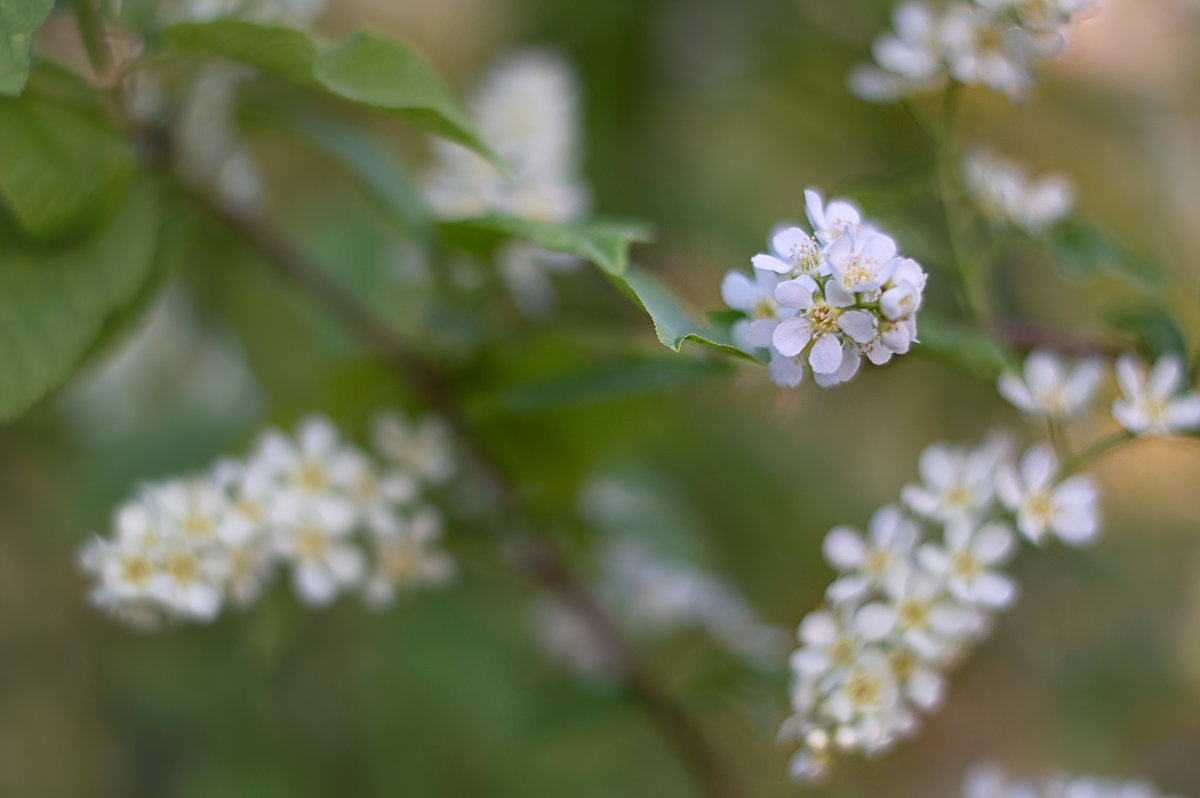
[[317, 436], [825, 356], [739, 292], [346, 563], [1130, 375], [791, 336], [844, 548], [1183, 414], [313, 584], [874, 621], [771, 264], [1166, 376], [1038, 465], [926, 688], [994, 590], [797, 293], [993, 543], [817, 629], [858, 324]]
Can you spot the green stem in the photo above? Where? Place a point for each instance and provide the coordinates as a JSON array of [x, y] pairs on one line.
[[95, 41], [944, 171], [1054, 429], [1101, 447]]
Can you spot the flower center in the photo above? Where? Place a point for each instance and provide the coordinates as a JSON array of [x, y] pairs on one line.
[[912, 613], [311, 476], [861, 270], [183, 567], [1041, 507], [823, 317], [842, 651], [864, 690], [311, 543], [876, 561], [958, 496], [764, 308], [903, 663], [400, 562], [137, 570], [964, 565]]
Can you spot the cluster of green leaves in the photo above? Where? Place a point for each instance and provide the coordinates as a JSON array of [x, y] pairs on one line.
[[83, 212]]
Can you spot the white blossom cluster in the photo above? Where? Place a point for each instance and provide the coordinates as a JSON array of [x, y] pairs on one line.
[[917, 590], [288, 11], [991, 43], [1008, 197], [824, 300], [527, 110], [990, 781], [313, 504], [1154, 401]]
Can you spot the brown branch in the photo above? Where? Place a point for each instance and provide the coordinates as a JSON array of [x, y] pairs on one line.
[[538, 559]]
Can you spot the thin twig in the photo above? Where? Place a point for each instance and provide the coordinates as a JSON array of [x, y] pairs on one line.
[[538, 559]]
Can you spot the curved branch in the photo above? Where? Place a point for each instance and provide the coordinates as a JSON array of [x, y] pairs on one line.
[[538, 559]]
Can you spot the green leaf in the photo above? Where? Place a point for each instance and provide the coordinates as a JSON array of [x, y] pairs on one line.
[[673, 325], [377, 173], [1157, 332], [965, 348], [605, 244], [60, 167], [18, 20], [54, 303], [1081, 251], [367, 69]]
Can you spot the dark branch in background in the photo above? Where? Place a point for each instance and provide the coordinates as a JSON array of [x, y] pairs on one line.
[[537, 558]]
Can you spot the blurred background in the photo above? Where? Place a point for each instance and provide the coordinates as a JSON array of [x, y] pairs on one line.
[[706, 118]]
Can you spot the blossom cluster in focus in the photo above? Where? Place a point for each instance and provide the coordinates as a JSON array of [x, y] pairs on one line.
[[822, 301], [336, 517], [917, 590], [991, 43]]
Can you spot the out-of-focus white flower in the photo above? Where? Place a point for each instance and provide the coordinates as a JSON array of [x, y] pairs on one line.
[[957, 483], [1065, 509], [568, 639], [315, 540], [867, 563], [987, 51], [990, 43], [655, 597], [295, 12], [1007, 196], [967, 560], [527, 110], [1158, 402], [408, 557], [424, 447], [185, 547], [909, 61], [990, 781], [209, 151], [1049, 387]]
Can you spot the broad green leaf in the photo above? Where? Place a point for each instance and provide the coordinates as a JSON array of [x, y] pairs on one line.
[[605, 244], [1080, 251], [367, 69], [18, 20], [673, 325], [60, 167], [376, 172], [54, 303], [963, 347], [1157, 332]]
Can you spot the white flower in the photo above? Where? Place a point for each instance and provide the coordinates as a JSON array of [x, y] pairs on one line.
[[816, 327], [424, 448], [966, 562], [378, 494], [1049, 387], [862, 262], [1039, 15], [408, 557], [957, 483], [986, 51], [1043, 506], [793, 252], [755, 298], [830, 642], [313, 539], [1157, 403], [864, 700], [909, 60], [868, 563], [1006, 195], [314, 469], [926, 620], [190, 582], [830, 222], [990, 781], [250, 566]]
